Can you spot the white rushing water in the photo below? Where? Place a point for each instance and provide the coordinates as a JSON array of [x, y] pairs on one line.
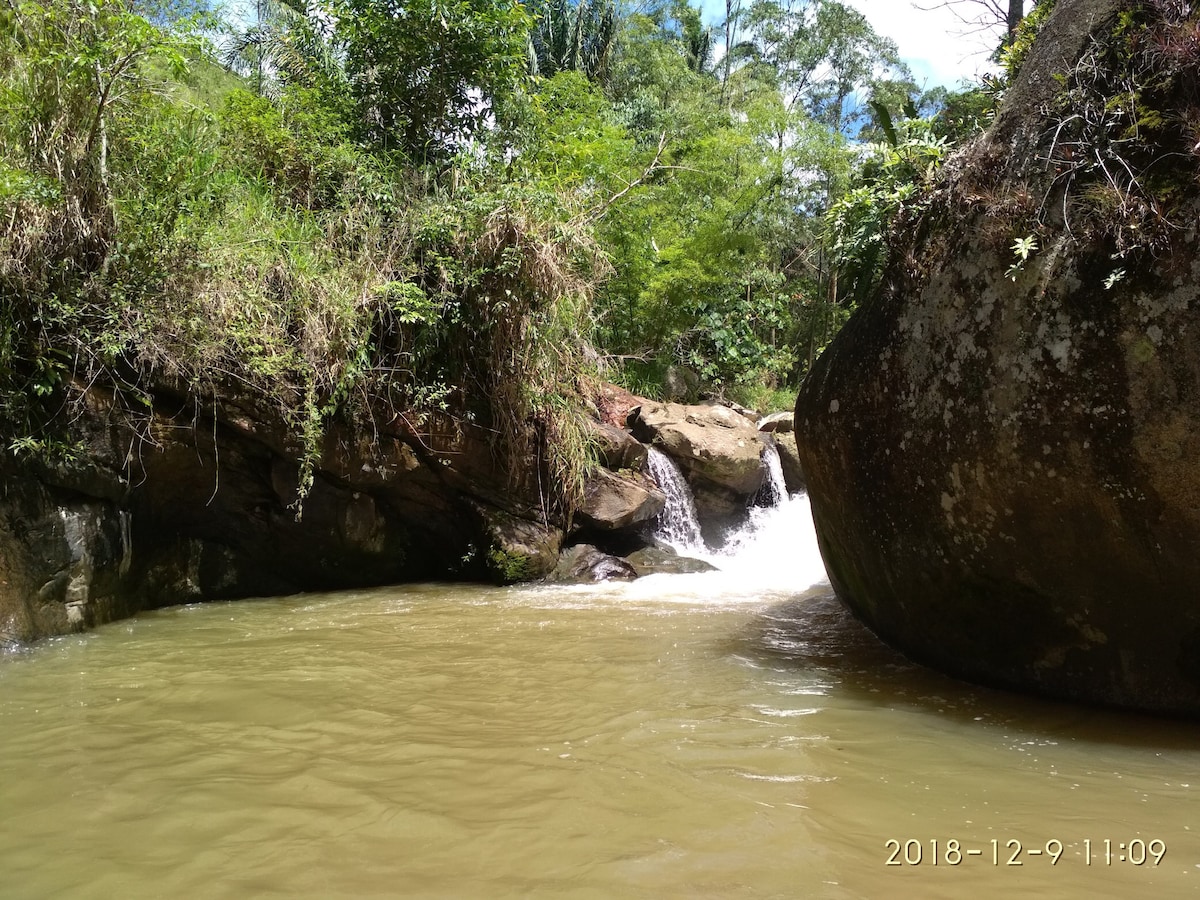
[[774, 551], [774, 490], [677, 525]]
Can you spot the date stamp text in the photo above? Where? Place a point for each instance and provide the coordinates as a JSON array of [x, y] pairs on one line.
[[1013, 852]]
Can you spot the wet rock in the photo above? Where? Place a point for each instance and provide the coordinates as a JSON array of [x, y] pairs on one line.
[[614, 501], [789, 461], [520, 549], [1002, 469], [718, 450], [584, 564], [665, 561], [616, 447]]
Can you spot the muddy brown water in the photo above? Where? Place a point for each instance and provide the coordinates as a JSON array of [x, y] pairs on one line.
[[684, 736]]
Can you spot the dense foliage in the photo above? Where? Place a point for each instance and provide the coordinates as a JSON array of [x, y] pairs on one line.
[[358, 208]]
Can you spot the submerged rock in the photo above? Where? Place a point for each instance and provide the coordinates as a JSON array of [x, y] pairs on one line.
[[585, 564], [1002, 464], [665, 561]]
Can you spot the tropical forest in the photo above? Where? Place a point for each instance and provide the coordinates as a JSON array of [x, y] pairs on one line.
[[598, 448]]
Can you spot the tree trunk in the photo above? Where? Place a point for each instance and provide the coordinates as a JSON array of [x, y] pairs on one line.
[[1016, 12], [733, 10]]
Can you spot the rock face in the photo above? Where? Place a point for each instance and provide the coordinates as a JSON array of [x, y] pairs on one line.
[[198, 508], [1003, 469], [64, 558], [719, 451]]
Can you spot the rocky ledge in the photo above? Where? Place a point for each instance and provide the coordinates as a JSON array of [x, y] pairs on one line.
[[200, 504]]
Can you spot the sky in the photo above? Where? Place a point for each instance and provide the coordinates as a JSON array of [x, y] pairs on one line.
[[934, 42], [937, 46]]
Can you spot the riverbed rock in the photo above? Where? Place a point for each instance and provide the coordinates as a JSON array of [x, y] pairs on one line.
[[665, 561], [520, 549], [718, 450], [616, 448], [1002, 458], [614, 501], [586, 564]]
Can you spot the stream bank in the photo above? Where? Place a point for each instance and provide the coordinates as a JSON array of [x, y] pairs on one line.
[[199, 502]]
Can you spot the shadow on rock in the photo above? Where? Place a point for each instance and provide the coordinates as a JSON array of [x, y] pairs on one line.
[[815, 632]]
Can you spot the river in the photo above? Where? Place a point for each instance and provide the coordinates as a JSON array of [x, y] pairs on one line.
[[728, 735]]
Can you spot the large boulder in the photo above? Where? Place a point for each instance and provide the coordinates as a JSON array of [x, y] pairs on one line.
[[1001, 454], [718, 450]]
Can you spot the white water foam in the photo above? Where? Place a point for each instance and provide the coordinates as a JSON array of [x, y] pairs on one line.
[[677, 525], [773, 555], [775, 548], [774, 490]]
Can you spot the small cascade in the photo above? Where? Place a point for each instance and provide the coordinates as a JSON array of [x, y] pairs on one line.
[[774, 490], [678, 524], [776, 546], [775, 549]]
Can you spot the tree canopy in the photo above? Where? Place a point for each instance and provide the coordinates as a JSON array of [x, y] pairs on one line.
[[444, 206]]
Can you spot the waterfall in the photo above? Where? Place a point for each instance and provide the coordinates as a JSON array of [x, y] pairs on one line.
[[677, 524], [774, 490], [775, 546], [775, 549]]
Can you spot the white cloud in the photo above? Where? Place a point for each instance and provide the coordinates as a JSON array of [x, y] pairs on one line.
[[934, 42]]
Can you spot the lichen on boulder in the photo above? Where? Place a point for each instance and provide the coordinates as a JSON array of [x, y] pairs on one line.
[[1000, 451]]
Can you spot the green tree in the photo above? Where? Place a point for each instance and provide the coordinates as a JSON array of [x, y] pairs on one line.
[[427, 75], [75, 80], [283, 44], [579, 37]]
